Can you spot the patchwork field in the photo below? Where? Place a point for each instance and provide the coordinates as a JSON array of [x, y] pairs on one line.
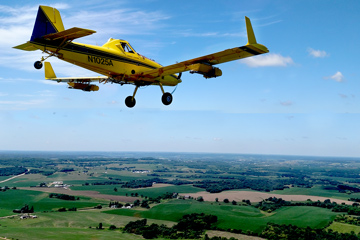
[[97, 179], [236, 217], [68, 225], [259, 196]]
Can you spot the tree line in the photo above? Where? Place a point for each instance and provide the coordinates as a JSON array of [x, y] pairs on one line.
[[9, 171], [190, 226], [63, 196], [276, 232]]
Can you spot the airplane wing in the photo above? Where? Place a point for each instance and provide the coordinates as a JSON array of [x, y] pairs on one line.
[[203, 65]]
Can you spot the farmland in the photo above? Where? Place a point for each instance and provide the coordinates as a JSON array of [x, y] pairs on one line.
[[166, 186]]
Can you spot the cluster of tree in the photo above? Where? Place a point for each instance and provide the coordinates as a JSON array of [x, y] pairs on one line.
[[143, 203], [115, 205], [352, 210], [104, 183], [255, 184], [121, 169], [206, 237], [348, 219], [140, 183], [65, 170], [69, 209], [190, 226], [3, 189], [275, 232], [43, 172], [354, 200], [149, 200], [117, 179], [8, 171], [63, 196], [344, 188], [273, 203], [343, 173], [24, 209]]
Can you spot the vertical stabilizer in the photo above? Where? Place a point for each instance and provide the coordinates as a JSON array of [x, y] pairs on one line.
[[250, 32], [48, 20]]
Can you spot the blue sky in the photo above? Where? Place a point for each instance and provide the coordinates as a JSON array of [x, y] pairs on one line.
[[303, 98]]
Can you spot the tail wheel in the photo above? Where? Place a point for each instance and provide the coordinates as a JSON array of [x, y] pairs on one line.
[[130, 101], [167, 98], [38, 64]]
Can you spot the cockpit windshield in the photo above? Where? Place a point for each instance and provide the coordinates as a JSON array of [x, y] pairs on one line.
[[127, 47]]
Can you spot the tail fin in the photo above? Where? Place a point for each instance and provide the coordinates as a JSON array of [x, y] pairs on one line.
[[250, 32], [48, 20], [49, 71]]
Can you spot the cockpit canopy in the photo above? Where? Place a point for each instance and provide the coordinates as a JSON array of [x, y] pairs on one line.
[[119, 44]]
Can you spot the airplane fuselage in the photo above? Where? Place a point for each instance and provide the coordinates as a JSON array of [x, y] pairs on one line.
[[110, 59]]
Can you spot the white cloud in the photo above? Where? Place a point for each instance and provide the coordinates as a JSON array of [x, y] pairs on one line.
[[317, 53], [338, 77], [268, 60]]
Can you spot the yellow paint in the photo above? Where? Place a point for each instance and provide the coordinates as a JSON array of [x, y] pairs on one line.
[[120, 63]]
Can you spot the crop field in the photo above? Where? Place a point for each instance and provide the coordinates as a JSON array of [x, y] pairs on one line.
[[344, 228], [15, 199], [236, 217], [98, 180], [150, 192], [68, 225], [317, 191]]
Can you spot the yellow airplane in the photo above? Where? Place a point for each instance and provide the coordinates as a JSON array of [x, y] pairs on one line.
[[117, 60]]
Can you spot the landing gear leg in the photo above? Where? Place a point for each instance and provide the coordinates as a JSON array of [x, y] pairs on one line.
[[130, 100], [166, 97]]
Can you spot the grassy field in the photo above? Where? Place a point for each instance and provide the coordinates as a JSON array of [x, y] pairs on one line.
[[150, 192], [40, 201], [344, 228], [317, 191], [68, 225], [237, 217]]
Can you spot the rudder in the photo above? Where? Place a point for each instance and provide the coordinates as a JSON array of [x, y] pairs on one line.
[[48, 20]]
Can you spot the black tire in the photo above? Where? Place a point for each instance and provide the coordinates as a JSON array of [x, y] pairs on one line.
[[167, 98], [130, 102], [38, 65]]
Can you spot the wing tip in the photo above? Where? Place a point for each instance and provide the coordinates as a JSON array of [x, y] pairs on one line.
[[250, 32]]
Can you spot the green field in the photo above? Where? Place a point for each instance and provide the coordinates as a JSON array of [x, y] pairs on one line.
[[15, 199], [317, 191], [344, 228], [68, 225], [236, 217], [149, 192]]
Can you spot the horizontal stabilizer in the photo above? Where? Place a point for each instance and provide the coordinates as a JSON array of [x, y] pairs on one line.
[[69, 34], [50, 75], [26, 47]]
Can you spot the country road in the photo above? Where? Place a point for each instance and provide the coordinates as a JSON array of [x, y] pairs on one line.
[[14, 177]]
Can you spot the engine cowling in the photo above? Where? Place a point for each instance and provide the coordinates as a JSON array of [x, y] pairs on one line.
[[206, 70], [83, 86]]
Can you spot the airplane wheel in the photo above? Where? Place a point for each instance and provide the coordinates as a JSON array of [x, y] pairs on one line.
[[166, 98], [130, 102], [38, 65]]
